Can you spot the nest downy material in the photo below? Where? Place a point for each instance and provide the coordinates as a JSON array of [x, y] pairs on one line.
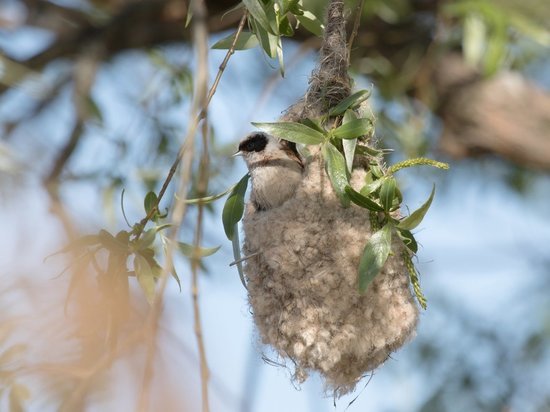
[[302, 284]]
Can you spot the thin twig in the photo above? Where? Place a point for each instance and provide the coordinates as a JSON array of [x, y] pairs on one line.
[[200, 36], [223, 65], [244, 258], [202, 188], [356, 23], [202, 114]]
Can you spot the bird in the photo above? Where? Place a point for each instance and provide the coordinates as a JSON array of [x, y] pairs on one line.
[[275, 167]]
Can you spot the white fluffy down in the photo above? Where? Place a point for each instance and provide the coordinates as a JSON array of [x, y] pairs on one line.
[[303, 285]]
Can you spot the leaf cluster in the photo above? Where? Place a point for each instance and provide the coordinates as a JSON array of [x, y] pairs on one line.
[[133, 253], [268, 22]]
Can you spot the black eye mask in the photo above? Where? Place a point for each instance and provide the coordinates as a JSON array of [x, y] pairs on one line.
[[254, 143]]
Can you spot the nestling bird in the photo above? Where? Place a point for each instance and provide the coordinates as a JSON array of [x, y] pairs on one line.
[[275, 168]]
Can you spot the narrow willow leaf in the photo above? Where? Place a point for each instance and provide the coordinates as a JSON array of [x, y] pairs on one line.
[[418, 161], [368, 151], [292, 131], [408, 239], [363, 201], [350, 102], [414, 219], [285, 28], [387, 193], [93, 110], [150, 202], [349, 152], [265, 39], [310, 22], [145, 277], [349, 144], [234, 207], [374, 256], [314, 124], [208, 199], [246, 40], [335, 165], [237, 254], [354, 128], [372, 187], [280, 57], [196, 252], [257, 11]]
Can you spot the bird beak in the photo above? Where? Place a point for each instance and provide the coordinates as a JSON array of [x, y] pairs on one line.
[[238, 153]]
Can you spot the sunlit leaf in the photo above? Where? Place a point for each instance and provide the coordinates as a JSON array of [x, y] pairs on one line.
[[363, 201], [350, 102], [311, 22], [145, 277], [292, 131], [349, 144], [196, 252], [257, 11], [335, 165], [354, 128], [246, 40], [414, 219], [234, 207], [374, 256]]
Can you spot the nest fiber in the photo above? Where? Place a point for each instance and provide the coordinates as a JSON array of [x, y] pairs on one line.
[[302, 285]]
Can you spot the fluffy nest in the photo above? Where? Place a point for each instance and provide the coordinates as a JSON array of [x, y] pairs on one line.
[[302, 285]]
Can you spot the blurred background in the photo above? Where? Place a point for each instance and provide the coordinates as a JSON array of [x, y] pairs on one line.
[[95, 100]]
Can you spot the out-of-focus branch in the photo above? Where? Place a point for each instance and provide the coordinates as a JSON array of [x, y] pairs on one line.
[[505, 115]]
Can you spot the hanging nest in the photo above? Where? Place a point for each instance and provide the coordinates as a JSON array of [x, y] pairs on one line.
[[302, 279]]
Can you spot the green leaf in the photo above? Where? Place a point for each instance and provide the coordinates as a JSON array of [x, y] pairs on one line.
[[267, 40], [257, 11], [280, 57], [246, 40], [414, 219], [350, 102], [363, 201], [314, 124], [374, 256], [150, 201], [208, 199], [387, 193], [335, 165], [293, 132], [408, 239], [474, 39], [285, 28], [310, 22], [234, 207], [349, 144], [352, 129], [196, 252], [145, 277], [237, 254]]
